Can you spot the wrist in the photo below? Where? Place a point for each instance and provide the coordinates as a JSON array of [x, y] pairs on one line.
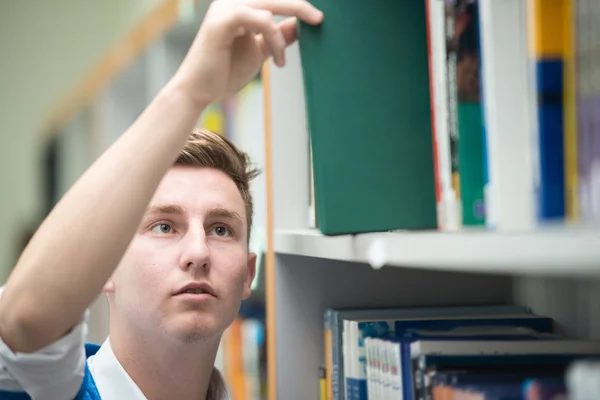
[[180, 88]]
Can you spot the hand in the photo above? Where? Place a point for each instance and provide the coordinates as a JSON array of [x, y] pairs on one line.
[[233, 42]]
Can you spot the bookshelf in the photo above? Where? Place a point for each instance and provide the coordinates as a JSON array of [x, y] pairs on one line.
[[554, 270], [539, 252]]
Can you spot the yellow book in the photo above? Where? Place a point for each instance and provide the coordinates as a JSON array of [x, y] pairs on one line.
[[548, 35]]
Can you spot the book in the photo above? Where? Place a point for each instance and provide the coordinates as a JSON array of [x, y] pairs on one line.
[[507, 91], [547, 51], [368, 116], [469, 113]]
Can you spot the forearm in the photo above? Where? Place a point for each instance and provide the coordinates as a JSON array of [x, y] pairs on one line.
[[78, 246]]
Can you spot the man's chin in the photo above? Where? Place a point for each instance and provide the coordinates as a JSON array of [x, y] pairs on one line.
[[193, 330]]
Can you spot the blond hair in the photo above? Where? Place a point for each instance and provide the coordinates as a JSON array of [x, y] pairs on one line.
[[208, 149]]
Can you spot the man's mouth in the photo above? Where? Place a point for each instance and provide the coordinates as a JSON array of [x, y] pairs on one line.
[[194, 291], [197, 288]]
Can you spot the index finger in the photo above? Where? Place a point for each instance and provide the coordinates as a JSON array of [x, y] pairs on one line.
[[301, 9]]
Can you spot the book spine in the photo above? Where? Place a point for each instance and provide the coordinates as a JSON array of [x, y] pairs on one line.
[[351, 360], [552, 184], [570, 116], [430, 21], [396, 354], [595, 168], [470, 150], [509, 195], [451, 55], [484, 147], [583, 122], [370, 363], [448, 220], [361, 373], [548, 51], [329, 322], [336, 356], [346, 371]]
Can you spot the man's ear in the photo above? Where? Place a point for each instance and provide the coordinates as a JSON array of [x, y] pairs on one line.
[[250, 274]]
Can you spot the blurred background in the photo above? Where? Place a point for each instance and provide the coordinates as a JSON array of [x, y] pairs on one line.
[[74, 74]]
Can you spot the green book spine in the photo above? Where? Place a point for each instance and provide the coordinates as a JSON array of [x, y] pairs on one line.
[[366, 80], [471, 147], [470, 154]]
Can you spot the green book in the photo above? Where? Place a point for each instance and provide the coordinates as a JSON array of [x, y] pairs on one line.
[[470, 153], [366, 79], [468, 93]]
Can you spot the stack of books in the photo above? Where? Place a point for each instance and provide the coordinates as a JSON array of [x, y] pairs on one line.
[[439, 353]]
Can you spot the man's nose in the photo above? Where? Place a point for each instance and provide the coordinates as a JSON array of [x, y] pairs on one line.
[[195, 252]]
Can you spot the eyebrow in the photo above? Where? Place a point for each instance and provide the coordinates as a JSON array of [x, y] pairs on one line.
[[224, 213], [164, 209]]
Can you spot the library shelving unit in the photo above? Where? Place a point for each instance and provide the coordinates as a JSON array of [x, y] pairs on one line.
[[553, 270]]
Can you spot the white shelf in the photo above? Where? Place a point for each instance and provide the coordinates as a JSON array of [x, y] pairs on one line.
[[310, 242], [550, 251]]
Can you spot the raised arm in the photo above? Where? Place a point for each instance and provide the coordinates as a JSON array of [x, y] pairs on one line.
[[80, 243]]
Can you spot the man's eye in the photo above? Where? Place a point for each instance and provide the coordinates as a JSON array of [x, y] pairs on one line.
[[222, 231], [163, 229]]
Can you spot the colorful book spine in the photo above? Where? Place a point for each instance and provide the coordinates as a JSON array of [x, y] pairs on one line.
[[447, 203], [451, 61], [331, 325], [431, 24], [470, 150], [547, 52], [484, 146], [328, 350]]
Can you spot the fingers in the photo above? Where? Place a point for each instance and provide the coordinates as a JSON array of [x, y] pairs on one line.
[[271, 40], [300, 9], [234, 18], [289, 31]]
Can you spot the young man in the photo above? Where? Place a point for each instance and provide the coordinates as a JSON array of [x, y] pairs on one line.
[[163, 231]]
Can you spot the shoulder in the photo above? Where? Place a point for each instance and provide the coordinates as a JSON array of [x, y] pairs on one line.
[[87, 390], [53, 372]]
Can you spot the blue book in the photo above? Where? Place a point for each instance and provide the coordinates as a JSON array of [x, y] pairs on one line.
[[551, 185]]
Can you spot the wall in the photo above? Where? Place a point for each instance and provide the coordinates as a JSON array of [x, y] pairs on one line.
[[46, 48]]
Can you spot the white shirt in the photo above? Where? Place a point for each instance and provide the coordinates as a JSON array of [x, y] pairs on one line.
[[56, 371]]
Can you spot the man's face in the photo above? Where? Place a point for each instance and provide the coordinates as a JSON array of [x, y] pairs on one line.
[[194, 232]]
